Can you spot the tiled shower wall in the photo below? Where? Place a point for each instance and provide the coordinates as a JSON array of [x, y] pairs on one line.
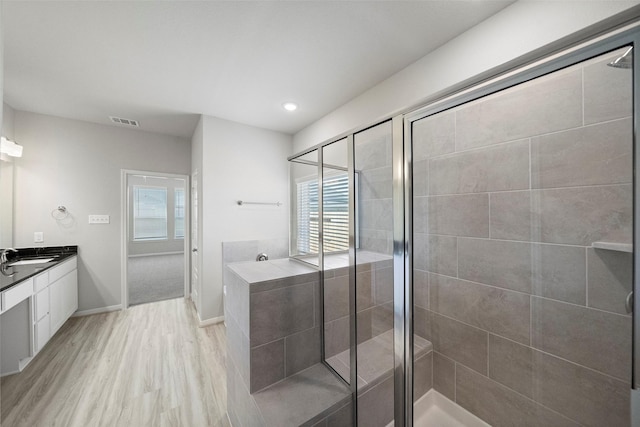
[[527, 321]]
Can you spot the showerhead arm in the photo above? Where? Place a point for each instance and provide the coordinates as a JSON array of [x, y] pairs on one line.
[[624, 61]]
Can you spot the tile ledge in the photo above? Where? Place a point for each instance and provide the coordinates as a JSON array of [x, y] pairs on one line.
[[612, 246]]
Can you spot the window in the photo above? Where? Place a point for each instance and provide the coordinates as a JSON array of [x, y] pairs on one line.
[[179, 213], [336, 214], [149, 213]]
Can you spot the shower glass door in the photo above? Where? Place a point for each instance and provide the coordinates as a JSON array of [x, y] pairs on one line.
[[522, 251], [374, 271]]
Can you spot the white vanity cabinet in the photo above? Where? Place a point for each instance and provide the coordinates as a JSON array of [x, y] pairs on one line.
[[56, 292], [33, 311], [63, 293]]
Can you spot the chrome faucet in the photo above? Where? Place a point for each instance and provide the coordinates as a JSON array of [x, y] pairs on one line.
[[3, 254]]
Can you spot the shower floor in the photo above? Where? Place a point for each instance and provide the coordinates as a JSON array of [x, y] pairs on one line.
[[434, 409]]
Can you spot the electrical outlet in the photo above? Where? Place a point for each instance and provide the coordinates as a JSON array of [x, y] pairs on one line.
[[98, 219], [38, 237]]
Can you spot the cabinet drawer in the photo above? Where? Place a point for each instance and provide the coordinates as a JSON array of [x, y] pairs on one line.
[[57, 272], [42, 303], [16, 294], [40, 282]]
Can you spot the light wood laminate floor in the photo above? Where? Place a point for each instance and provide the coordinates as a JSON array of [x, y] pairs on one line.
[[149, 365]]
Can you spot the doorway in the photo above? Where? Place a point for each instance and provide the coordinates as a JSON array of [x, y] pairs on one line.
[[155, 237]]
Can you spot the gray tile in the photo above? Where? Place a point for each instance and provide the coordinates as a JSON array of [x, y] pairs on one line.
[[610, 279], [501, 406], [301, 397], [238, 350], [584, 395], [237, 299], [421, 288], [364, 290], [376, 214], [423, 375], [376, 184], [421, 322], [372, 147], [559, 272], [499, 168], [444, 375], [510, 216], [466, 215], [267, 365], [375, 406], [462, 343], [421, 251], [383, 283], [336, 336], [239, 251], [592, 155], [607, 91], [496, 310], [495, 262], [442, 255], [381, 318], [281, 312], [336, 298], [434, 136], [593, 338], [543, 105], [420, 217], [581, 216], [365, 324], [420, 178], [302, 350], [511, 364], [380, 241], [343, 417]]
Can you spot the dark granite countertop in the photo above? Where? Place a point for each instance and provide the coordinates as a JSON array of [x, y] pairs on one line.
[[11, 276]]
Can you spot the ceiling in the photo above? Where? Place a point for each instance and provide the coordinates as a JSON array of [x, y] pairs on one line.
[[165, 63]]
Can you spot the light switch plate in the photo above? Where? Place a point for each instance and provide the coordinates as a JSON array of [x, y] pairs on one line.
[[38, 237], [98, 219]]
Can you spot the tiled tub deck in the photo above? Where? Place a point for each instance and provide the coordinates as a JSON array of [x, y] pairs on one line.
[[274, 372]]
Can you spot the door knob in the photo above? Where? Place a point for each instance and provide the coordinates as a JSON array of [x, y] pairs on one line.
[[194, 250]]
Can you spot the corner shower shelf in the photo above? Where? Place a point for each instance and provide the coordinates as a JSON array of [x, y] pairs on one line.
[[611, 246]]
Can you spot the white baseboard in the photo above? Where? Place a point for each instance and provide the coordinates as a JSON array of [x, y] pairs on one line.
[[97, 310], [208, 322]]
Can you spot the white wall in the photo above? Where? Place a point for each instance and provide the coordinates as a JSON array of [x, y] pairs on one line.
[[239, 162], [78, 165], [6, 181], [512, 32]]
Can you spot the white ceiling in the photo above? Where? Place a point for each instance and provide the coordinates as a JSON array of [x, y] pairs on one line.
[[164, 63]]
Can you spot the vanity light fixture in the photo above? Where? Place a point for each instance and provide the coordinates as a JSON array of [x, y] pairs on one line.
[[10, 148], [290, 106]]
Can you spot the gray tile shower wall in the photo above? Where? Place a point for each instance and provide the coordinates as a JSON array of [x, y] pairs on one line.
[[527, 320]]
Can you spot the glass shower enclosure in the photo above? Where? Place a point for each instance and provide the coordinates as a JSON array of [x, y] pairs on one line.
[[477, 254]]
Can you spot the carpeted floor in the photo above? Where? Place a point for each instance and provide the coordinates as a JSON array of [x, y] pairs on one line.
[[155, 278]]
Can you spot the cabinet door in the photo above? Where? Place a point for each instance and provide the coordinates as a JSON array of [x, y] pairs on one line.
[[42, 304], [43, 332], [56, 306], [70, 295], [64, 299]]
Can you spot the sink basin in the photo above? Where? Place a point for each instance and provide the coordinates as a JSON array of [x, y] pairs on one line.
[[31, 261]]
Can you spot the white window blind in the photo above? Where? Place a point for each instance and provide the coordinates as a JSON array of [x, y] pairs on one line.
[[336, 214], [149, 213], [179, 213]]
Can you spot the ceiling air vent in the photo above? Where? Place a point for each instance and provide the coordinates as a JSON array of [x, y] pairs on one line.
[[126, 122]]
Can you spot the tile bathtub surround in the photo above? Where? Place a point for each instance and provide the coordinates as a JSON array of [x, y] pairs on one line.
[[527, 320]]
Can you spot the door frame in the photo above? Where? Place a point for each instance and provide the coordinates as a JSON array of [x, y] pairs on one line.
[[125, 227]]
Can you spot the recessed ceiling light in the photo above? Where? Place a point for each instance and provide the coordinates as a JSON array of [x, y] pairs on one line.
[[290, 106]]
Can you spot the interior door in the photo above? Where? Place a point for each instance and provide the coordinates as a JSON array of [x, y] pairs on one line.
[[195, 256]]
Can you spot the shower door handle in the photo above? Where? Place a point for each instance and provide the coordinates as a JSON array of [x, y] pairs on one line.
[[628, 304]]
